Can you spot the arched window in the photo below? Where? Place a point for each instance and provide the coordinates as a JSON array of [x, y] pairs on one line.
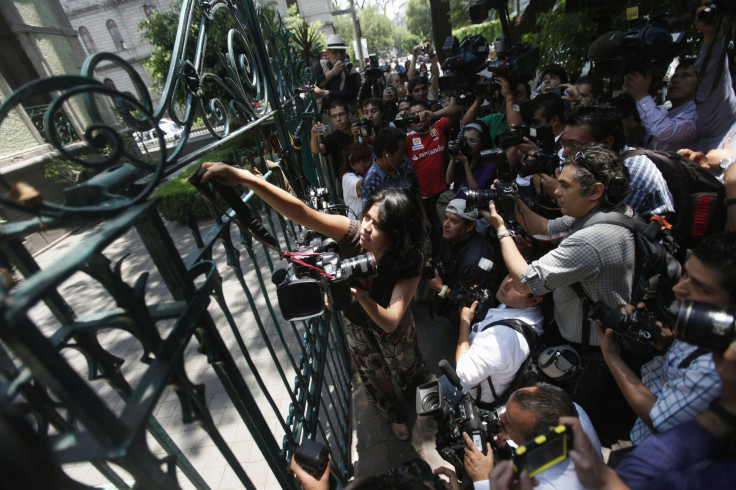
[[149, 10], [89, 44], [115, 33]]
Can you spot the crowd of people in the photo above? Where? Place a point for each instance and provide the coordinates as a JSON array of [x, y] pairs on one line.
[[413, 169]]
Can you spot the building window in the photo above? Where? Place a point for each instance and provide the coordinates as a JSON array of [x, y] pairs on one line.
[[115, 33], [149, 10], [89, 44]]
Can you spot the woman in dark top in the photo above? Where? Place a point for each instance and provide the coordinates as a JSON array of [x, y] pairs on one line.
[[379, 324], [469, 171]]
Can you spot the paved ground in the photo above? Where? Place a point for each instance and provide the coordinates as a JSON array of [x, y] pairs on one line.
[[376, 449]]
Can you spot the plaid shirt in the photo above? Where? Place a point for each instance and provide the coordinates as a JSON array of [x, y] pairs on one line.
[[599, 257], [649, 195], [376, 179], [682, 393]]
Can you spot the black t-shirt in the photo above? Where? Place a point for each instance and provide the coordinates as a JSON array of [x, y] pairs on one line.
[[335, 143], [382, 286]]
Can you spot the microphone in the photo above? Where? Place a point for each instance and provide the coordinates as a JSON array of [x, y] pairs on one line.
[[280, 271]]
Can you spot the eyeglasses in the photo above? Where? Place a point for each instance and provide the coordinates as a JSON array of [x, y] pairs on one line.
[[580, 160], [339, 114], [405, 99]]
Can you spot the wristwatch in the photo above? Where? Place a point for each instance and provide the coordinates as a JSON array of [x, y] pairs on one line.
[[726, 162]]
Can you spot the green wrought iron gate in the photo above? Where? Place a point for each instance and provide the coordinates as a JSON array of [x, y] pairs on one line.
[[134, 326]]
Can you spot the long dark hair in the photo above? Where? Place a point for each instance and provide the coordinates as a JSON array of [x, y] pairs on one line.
[[400, 218]]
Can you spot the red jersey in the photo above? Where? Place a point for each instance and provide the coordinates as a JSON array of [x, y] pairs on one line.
[[428, 154]]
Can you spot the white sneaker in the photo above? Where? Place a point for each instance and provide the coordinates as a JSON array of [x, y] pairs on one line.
[[401, 431]]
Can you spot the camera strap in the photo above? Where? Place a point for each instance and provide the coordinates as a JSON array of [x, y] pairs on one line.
[[530, 336], [685, 363]]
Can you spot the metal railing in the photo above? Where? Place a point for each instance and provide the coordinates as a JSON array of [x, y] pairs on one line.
[[134, 316]]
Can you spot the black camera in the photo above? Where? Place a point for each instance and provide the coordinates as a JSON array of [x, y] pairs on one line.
[[305, 276], [348, 65], [468, 295], [513, 137], [636, 333], [711, 12], [404, 122], [647, 49], [705, 325], [312, 457], [460, 69], [365, 127], [458, 146], [455, 412], [504, 193], [546, 160], [373, 71]]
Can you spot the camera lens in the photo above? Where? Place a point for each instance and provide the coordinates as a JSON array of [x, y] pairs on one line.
[[361, 266], [705, 325], [431, 402], [479, 199]]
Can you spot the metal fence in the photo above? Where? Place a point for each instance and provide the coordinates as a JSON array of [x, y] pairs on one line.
[[134, 336]]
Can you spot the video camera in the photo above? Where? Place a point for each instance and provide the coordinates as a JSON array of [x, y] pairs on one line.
[[303, 277], [455, 412], [636, 333], [647, 49], [517, 63], [503, 194], [365, 127], [704, 325], [460, 68]]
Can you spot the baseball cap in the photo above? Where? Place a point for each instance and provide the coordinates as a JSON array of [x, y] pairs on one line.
[[457, 206]]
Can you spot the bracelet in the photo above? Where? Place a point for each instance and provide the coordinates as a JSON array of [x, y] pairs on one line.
[[504, 234], [728, 202], [723, 414], [443, 291]]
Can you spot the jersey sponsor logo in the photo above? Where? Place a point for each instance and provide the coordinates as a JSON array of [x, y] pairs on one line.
[[416, 144], [433, 132], [427, 153]]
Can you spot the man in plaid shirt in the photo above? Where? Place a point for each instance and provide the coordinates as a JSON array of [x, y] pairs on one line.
[[677, 386]]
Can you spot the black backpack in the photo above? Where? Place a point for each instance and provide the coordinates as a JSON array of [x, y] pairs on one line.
[[697, 194], [655, 269], [526, 375]]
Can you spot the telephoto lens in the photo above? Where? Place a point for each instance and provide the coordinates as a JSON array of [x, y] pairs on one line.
[[706, 325]]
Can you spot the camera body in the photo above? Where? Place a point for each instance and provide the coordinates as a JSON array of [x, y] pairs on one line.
[[460, 145], [546, 160], [706, 325], [468, 295], [373, 72], [314, 270], [636, 333], [365, 127], [503, 195]]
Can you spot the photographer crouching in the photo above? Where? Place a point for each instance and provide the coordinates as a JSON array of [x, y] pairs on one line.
[[379, 323], [680, 384], [464, 260]]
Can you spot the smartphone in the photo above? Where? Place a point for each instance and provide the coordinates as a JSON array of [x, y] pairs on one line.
[[544, 451]]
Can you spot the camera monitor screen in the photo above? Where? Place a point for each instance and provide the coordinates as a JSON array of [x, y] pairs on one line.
[[544, 451]]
